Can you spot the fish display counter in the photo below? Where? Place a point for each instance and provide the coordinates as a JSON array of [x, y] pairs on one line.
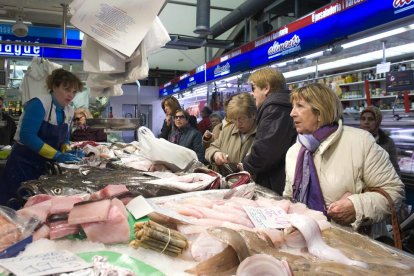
[[247, 230]]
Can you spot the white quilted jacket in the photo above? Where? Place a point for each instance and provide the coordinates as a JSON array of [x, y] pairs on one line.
[[348, 161]]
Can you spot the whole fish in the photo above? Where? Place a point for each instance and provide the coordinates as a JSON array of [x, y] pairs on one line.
[[92, 179], [232, 238]]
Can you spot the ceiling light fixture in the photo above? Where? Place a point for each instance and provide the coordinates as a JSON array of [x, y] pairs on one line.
[[367, 57], [19, 28], [378, 36]]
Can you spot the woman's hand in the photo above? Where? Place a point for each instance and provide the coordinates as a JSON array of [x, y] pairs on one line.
[[342, 211], [207, 135], [220, 158], [168, 119]]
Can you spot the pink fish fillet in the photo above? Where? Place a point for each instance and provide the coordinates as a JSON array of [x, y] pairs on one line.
[[63, 204], [114, 230], [213, 214], [184, 209], [60, 229], [316, 245], [39, 210], [108, 191], [89, 212], [36, 199]]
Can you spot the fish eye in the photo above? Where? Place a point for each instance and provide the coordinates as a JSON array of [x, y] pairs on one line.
[[57, 191]]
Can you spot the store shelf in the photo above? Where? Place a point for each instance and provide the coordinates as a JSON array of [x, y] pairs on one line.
[[353, 99], [360, 82], [384, 97], [377, 80], [351, 83]]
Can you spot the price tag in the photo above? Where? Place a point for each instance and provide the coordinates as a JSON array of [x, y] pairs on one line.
[[140, 207], [44, 264], [267, 217], [383, 67]]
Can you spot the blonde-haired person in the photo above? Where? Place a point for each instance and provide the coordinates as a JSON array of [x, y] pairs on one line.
[[83, 132], [234, 141], [170, 105], [42, 134], [275, 129], [331, 165]]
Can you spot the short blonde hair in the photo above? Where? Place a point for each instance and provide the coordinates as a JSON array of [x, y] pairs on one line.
[[324, 102], [84, 112], [241, 104], [268, 76]]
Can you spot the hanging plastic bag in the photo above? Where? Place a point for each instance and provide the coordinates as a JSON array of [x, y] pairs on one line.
[[160, 151]]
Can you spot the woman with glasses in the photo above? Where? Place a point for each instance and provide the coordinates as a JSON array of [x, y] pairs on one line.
[[186, 135], [42, 134], [234, 141], [83, 132]]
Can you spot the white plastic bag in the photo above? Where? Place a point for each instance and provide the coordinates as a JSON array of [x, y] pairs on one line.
[[160, 151]]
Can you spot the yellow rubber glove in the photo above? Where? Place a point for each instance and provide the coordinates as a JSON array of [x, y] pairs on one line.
[[65, 147]]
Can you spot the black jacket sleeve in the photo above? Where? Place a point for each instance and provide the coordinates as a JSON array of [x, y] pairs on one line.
[[275, 134], [165, 131]]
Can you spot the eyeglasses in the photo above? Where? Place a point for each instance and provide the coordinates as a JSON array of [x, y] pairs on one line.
[[78, 118], [179, 117], [241, 119]]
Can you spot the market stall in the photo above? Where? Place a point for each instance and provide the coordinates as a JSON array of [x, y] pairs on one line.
[[190, 233]]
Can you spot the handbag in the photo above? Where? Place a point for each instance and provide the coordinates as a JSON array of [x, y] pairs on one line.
[[396, 231]]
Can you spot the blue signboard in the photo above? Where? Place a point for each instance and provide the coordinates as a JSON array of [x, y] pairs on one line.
[[185, 83], [332, 23], [363, 16], [44, 35], [236, 64], [192, 80]]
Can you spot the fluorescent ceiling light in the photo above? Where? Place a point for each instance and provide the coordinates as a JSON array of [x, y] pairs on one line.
[[376, 55], [378, 36], [314, 55], [303, 71]]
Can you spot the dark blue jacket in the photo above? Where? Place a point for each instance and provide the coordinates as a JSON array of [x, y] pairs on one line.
[[190, 138]]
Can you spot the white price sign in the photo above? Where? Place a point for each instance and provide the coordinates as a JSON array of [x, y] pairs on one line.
[[383, 67], [44, 264], [267, 217]]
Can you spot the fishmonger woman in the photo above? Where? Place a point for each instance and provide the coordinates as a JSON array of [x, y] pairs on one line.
[[43, 133]]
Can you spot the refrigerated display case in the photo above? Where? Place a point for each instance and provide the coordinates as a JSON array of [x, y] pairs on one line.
[[400, 127]]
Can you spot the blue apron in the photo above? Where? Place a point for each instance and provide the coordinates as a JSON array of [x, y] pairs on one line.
[[25, 164]]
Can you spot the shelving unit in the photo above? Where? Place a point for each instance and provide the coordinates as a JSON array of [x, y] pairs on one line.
[[364, 92]]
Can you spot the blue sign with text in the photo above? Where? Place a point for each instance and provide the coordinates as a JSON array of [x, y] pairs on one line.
[[44, 35], [236, 64]]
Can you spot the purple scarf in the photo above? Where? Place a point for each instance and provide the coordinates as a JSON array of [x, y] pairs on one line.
[[306, 186], [176, 136]]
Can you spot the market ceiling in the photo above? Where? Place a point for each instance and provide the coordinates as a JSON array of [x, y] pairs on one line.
[[179, 18]]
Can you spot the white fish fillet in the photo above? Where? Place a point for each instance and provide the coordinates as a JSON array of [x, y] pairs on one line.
[[316, 245], [189, 182]]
